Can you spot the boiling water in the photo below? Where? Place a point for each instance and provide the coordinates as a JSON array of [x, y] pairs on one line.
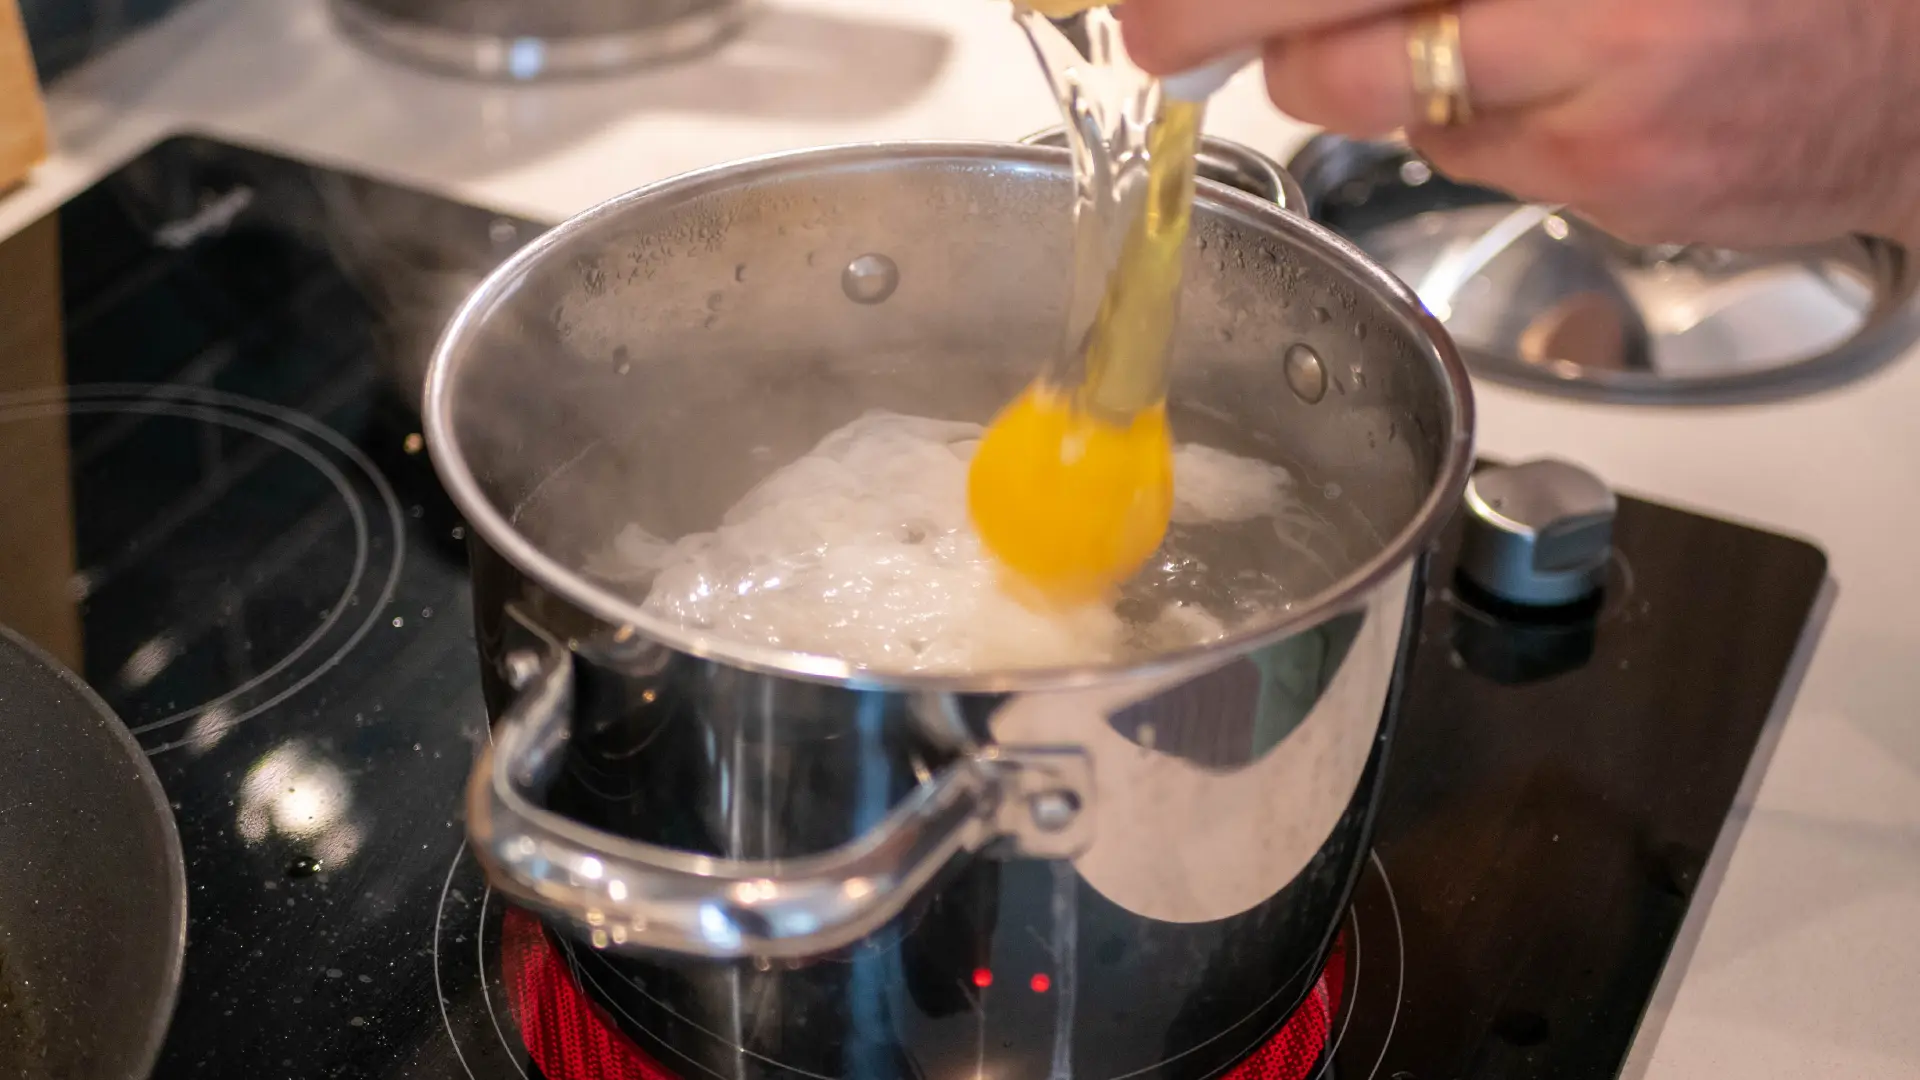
[[861, 550]]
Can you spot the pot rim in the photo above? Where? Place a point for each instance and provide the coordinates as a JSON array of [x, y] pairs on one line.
[[1349, 593]]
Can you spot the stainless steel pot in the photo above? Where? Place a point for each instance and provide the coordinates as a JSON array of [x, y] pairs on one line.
[[537, 39], [768, 862]]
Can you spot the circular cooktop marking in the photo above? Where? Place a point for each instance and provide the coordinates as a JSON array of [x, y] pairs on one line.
[[607, 999], [486, 985], [1258, 1041], [1353, 988], [448, 975], [439, 988], [1353, 981], [287, 429]]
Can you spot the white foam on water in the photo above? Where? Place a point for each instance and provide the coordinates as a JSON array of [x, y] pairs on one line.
[[862, 550]]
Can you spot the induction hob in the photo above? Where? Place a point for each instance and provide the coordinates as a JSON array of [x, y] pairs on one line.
[[218, 510]]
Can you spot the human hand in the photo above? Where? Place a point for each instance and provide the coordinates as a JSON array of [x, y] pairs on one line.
[[1727, 122]]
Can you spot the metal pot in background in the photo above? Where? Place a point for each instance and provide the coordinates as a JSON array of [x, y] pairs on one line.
[[525, 39], [764, 863], [1544, 300], [93, 894]]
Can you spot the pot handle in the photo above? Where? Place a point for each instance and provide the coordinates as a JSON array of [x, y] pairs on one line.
[[630, 896]]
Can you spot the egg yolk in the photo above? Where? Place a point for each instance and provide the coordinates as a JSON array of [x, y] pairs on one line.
[[1071, 504]]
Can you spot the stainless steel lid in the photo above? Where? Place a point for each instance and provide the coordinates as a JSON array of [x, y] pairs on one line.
[[1542, 299]]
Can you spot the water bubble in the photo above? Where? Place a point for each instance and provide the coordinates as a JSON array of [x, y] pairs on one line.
[[1331, 491], [1360, 331], [740, 272], [870, 279], [1306, 375], [334, 973], [1322, 315], [303, 867]]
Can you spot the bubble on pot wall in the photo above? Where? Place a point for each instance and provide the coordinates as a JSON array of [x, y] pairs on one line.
[[870, 279], [1306, 375]]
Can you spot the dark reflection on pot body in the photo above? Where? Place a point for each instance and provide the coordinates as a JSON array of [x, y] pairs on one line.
[[707, 758]]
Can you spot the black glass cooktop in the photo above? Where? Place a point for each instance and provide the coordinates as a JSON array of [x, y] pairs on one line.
[[215, 506]]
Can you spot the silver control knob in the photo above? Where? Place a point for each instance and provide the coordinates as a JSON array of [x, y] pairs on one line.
[[1538, 534]]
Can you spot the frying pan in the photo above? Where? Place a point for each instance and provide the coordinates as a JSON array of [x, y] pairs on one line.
[[93, 890]]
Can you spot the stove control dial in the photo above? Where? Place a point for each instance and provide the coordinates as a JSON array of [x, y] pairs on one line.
[[1538, 534]]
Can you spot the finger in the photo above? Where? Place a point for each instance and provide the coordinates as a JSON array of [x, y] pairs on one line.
[[1498, 152], [1357, 78], [1168, 36]]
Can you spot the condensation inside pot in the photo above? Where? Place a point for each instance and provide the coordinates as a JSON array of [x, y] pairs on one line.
[[690, 373]]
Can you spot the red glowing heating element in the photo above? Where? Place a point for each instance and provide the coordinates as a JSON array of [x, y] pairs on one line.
[[569, 1040]]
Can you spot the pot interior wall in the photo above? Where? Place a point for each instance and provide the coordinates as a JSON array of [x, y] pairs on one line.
[[660, 359]]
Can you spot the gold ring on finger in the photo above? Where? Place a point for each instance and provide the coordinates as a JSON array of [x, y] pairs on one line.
[[1439, 67]]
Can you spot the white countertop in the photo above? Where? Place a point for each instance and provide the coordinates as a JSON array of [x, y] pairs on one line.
[[1810, 961]]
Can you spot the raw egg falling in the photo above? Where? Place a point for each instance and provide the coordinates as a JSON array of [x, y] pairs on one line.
[[1071, 488]]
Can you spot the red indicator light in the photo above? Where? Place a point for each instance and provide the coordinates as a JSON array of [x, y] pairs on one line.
[[1040, 983], [982, 978]]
